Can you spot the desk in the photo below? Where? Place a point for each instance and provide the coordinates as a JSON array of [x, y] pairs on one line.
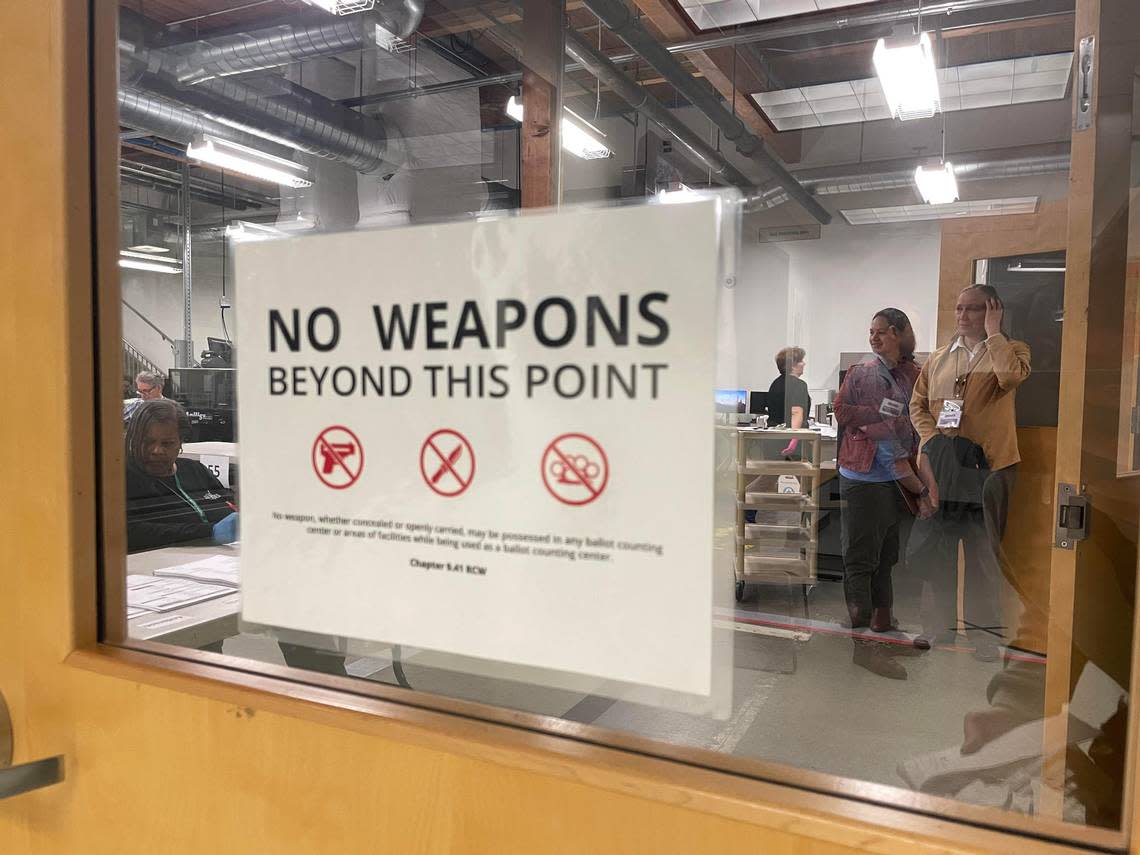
[[219, 451], [191, 626]]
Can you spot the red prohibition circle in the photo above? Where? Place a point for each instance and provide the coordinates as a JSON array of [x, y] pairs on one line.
[[443, 462], [331, 454], [573, 474]]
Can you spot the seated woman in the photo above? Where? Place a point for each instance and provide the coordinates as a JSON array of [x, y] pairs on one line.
[[171, 499]]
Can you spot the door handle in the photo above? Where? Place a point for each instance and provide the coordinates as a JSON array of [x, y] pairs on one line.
[[23, 777]]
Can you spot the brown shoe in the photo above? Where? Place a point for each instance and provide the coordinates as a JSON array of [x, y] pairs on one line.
[[859, 618], [882, 620], [872, 656]]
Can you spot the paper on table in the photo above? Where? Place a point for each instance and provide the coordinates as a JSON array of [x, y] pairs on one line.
[[157, 594], [220, 569]]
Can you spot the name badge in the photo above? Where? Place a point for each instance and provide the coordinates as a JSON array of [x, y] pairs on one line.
[[951, 415], [890, 408]]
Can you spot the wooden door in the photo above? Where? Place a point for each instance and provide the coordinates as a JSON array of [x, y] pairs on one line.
[[1092, 593]]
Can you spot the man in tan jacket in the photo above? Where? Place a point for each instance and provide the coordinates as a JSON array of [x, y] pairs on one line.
[[963, 410]]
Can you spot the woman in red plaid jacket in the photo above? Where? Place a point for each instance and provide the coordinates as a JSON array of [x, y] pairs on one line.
[[877, 481]]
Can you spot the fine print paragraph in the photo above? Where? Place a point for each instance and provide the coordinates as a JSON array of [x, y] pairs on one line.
[[486, 541]]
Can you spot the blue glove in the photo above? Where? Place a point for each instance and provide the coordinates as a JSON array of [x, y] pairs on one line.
[[225, 530]]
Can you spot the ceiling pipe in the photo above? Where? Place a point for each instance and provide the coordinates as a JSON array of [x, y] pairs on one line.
[[276, 46], [174, 122], [580, 50], [312, 124], [281, 118], [615, 15]]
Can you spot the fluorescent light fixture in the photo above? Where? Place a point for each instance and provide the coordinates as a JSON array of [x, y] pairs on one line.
[[152, 266], [681, 194], [146, 247], [343, 7], [575, 140], [578, 142], [248, 161], [146, 256], [952, 211], [148, 261], [241, 231], [906, 71], [937, 186], [1021, 268]]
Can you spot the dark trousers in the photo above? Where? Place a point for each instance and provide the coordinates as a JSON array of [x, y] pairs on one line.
[[871, 516], [980, 533]]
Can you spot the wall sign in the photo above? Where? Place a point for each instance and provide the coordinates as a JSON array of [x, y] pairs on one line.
[[493, 438]]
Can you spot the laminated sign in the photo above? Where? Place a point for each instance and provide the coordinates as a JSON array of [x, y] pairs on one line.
[[488, 438]]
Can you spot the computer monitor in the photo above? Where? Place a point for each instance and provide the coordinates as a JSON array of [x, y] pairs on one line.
[[758, 403], [219, 353], [731, 400]]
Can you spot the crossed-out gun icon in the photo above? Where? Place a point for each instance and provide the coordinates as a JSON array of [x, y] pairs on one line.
[[334, 453]]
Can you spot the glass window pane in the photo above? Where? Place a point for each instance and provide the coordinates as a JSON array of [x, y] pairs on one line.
[[919, 364]]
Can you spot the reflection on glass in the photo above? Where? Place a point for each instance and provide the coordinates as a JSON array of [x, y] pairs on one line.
[[890, 426]]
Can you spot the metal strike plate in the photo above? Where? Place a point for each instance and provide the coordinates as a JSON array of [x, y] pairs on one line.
[[1072, 517], [24, 776], [1084, 83]]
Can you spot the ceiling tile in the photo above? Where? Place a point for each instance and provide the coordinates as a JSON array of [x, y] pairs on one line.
[[702, 20], [834, 105], [784, 111], [842, 117], [986, 84], [779, 96], [951, 104], [876, 113], [987, 99], [949, 90], [729, 13], [1038, 93], [1046, 62], [1001, 68], [827, 90], [779, 8], [948, 75], [792, 123], [1058, 77]]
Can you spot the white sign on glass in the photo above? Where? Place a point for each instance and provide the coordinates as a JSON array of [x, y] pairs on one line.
[[488, 438]]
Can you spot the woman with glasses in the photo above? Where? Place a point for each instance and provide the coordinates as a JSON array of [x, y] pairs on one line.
[[171, 499]]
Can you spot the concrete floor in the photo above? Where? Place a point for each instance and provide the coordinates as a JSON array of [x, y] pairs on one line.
[[802, 703]]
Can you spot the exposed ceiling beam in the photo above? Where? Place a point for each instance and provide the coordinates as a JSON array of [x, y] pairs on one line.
[[734, 85]]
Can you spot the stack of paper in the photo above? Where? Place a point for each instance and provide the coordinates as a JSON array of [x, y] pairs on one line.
[[218, 569], [157, 594]]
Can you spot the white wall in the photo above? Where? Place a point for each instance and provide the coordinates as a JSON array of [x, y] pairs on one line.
[[159, 297], [821, 294]]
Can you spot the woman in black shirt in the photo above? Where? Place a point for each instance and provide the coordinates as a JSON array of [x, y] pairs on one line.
[[170, 499], [788, 400]]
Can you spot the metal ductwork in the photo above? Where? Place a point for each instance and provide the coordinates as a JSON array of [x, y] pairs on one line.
[[167, 119], [897, 179], [699, 93], [581, 51], [277, 46], [311, 123]]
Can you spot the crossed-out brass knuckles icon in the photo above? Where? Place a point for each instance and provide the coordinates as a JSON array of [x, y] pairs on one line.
[[575, 468]]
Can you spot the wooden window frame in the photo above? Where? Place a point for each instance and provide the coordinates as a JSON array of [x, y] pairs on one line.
[[815, 805]]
